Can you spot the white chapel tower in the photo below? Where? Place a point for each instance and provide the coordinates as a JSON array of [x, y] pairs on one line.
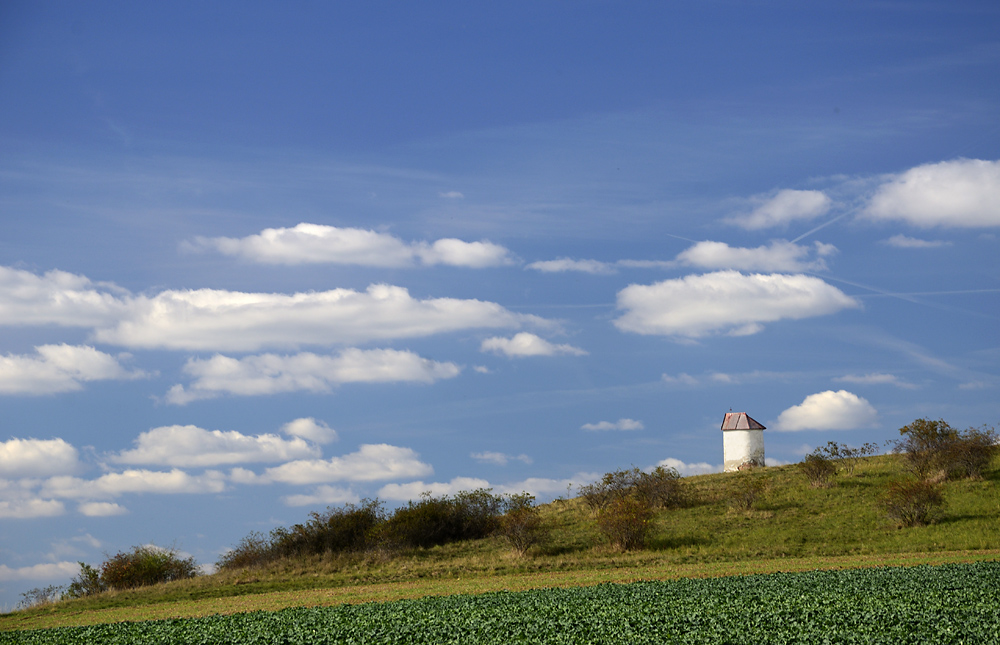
[[742, 441]]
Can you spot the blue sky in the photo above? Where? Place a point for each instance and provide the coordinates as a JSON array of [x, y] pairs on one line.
[[261, 258]]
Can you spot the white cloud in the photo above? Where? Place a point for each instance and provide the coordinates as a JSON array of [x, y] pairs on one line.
[[37, 458], [271, 373], [47, 571], [413, 490], [317, 243], [960, 193], [57, 298], [729, 301], [876, 378], [780, 256], [59, 368], [190, 446], [311, 429], [452, 194], [29, 508], [452, 252], [175, 481], [784, 207], [828, 410], [906, 242], [525, 344], [620, 424], [210, 319], [372, 462], [681, 379], [544, 488], [563, 265], [498, 458], [686, 470], [219, 320], [322, 496], [102, 509]]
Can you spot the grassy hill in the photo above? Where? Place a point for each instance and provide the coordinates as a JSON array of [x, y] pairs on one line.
[[796, 527]]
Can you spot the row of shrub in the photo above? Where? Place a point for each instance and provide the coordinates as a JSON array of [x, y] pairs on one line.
[[142, 566], [362, 527]]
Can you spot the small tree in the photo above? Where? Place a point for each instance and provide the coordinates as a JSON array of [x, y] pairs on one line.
[[974, 451], [86, 583], [817, 469], [845, 455], [912, 503], [625, 523], [40, 596], [928, 446], [521, 526]]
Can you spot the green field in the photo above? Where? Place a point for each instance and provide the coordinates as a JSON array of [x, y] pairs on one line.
[[796, 528]]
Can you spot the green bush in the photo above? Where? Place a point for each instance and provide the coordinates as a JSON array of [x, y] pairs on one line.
[[521, 526], [660, 488], [254, 550], [912, 502], [935, 450], [817, 469], [432, 521], [625, 523], [142, 566]]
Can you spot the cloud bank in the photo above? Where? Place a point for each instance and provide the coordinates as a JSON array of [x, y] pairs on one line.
[[59, 368]]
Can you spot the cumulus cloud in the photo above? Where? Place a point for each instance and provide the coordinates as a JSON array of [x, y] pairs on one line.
[[101, 509], [620, 424], [372, 462], [59, 368], [686, 470], [828, 410], [29, 508], [316, 243], [784, 207], [311, 429], [413, 490], [906, 242], [210, 319], [563, 265], [725, 301], [57, 298], [498, 458], [189, 446], [526, 344], [112, 485], [780, 255], [47, 571], [220, 320], [964, 193], [37, 458], [322, 496], [271, 373]]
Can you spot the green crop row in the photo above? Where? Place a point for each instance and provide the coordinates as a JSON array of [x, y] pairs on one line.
[[942, 604]]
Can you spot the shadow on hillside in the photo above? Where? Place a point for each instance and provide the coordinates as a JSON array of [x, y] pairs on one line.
[[665, 543]]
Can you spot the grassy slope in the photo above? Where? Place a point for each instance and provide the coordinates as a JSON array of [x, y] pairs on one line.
[[796, 528]]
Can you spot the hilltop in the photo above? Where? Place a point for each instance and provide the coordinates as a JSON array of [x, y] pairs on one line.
[[795, 527]]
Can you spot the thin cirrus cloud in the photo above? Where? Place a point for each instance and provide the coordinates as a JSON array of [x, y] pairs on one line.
[[220, 320], [783, 208], [829, 410], [779, 255], [875, 378], [321, 244], [963, 193], [60, 368], [620, 424], [725, 302], [525, 344], [189, 446], [563, 265], [498, 458], [271, 373]]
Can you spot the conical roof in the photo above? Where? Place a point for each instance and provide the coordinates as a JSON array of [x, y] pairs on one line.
[[740, 421]]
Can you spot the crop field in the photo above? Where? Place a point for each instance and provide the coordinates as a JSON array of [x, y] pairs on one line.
[[954, 603]]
